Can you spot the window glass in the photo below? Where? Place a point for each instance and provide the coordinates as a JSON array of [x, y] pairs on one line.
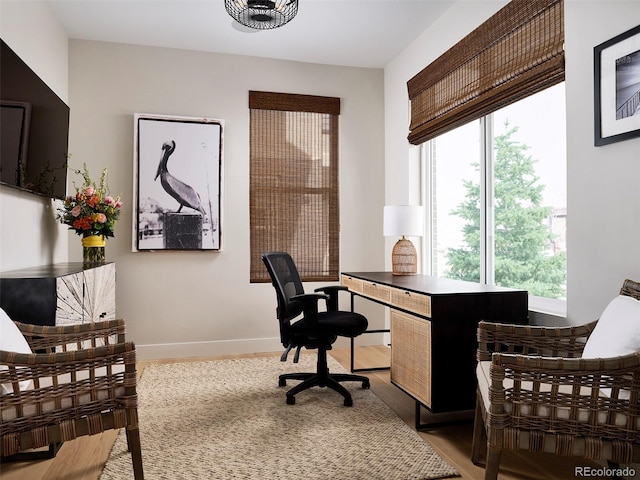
[[530, 189], [496, 191], [455, 158]]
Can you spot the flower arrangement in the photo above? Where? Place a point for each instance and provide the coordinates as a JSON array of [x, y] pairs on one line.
[[92, 211]]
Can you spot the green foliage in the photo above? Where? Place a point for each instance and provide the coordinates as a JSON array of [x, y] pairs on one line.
[[521, 236]]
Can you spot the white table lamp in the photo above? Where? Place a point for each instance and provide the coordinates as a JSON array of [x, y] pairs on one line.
[[404, 220]]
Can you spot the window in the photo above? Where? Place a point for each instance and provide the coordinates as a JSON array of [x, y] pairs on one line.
[[495, 191], [494, 179], [294, 183]]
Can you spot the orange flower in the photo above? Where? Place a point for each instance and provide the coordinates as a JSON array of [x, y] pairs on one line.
[[83, 223], [93, 200]]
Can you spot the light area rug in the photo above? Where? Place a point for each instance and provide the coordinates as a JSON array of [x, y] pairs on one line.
[[228, 420]]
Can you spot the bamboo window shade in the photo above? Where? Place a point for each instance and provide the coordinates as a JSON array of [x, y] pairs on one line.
[[293, 186], [519, 51]]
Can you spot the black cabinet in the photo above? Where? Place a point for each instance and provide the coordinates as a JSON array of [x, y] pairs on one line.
[[59, 294]]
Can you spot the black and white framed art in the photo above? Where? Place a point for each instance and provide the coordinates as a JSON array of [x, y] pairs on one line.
[[177, 183], [617, 88]]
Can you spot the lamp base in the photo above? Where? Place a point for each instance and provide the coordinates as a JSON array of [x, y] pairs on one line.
[[404, 258]]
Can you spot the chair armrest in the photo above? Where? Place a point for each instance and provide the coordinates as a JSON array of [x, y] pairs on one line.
[[47, 338], [98, 362], [310, 305], [590, 392], [332, 291], [553, 365], [529, 339]]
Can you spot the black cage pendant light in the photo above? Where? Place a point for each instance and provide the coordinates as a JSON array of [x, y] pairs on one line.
[[262, 14]]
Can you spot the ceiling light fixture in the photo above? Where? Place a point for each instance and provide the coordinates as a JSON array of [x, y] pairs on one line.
[[262, 14]]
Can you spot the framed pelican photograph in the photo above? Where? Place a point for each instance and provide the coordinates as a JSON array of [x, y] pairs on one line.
[[177, 183]]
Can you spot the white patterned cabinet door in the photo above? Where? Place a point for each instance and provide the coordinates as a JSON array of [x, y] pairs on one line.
[[87, 296], [100, 293], [70, 293]]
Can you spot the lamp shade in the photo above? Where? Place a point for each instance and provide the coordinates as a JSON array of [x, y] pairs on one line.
[[403, 220]]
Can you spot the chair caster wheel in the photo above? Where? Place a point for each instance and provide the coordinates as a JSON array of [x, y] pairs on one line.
[[282, 382], [348, 402], [366, 385], [291, 400]]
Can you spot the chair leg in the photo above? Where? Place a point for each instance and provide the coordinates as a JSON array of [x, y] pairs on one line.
[[136, 454], [493, 462], [332, 384], [282, 379], [322, 378], [348, 377], [479, 434], [133, 444]]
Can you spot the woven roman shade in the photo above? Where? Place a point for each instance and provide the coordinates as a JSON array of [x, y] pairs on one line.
[[293, 186], [519, 51]]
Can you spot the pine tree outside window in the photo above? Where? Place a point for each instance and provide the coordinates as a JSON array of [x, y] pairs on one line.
[[496, 196]]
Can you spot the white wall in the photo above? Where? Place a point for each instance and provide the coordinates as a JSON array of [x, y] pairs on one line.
[[401, 158], [193, 303], [30, 234], [604, 211], [603, 182], [201, 303]]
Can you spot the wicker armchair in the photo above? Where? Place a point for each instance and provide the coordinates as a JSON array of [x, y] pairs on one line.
[[536, 393], [83, 383]]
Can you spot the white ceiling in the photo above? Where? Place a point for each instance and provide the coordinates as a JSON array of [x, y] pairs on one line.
[[361, 33]]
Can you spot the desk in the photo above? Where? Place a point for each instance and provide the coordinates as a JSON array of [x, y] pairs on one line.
[[433, 332]]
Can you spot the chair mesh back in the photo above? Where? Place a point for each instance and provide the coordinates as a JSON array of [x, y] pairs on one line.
[[286, 280]]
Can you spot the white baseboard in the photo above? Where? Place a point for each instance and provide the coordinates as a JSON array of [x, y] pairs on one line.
[[162, 351], [207, 349]]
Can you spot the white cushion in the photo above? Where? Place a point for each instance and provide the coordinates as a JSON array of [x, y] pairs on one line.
[[12, 340], [617, 331]]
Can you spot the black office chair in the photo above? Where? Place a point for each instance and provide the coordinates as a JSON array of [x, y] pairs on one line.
[[315, 329]]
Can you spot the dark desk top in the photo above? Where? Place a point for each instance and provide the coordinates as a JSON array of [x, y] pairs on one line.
[[428, 284]]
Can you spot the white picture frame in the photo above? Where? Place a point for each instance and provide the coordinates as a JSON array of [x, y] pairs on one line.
[[177, 183]]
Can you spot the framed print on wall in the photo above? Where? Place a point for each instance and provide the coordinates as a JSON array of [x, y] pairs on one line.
[[177, 183], [617, 88]]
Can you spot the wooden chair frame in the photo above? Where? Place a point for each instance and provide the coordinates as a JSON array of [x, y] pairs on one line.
[[545, 398], [83, 383]]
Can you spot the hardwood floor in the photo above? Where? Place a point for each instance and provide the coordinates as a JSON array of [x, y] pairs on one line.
[[83, 458]]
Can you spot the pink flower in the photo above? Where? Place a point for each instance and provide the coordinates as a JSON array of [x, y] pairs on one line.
[[118, 204], [101, 218], [88, 191], [75, 211], [108, 200]]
